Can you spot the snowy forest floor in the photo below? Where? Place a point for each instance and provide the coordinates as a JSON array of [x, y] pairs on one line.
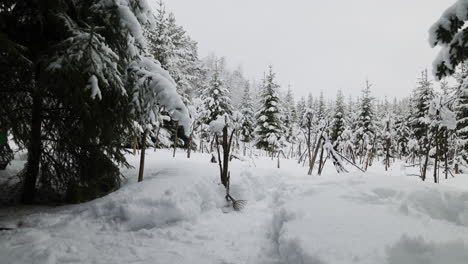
[[178, 215]]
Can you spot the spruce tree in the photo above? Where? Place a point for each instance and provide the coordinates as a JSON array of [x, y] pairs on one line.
[[216, 98], [269, 127], [422, 96], [365, 127], [461, 110], [248, 116], [289, 116], [78, 63], [338, 122]]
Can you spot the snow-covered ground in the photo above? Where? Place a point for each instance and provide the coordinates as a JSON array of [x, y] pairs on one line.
[[178, 215]]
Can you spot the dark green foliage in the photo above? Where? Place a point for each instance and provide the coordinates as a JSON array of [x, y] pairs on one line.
[[53, 55]]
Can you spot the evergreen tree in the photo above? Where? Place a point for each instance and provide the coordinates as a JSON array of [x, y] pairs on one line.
[[216, 98], [78, 62], [310, 101], [461, 110], [248, 116], [365, 127], [289, 116], [269, 126], [422, 96], [338, 122], [320, 107]]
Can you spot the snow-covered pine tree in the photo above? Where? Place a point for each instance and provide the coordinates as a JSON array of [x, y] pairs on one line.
[[216, 98], [170, 44], [248, 117], [160, 42], [461, 110], [403, 132], [80, 73], [269, 124], [300, 113], [338, 122], [387, 135], [422, 96], [310, 101], [450, 34], [320, 107], [365, 128], [289, 116]]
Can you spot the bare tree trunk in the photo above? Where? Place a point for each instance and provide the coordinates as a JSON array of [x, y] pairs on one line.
[[142, 157], [426, 161], [224, 178], [176, 138], [157, 138], [189, 149], [34, 152], [134, 144], [278, 159], [219, 159], [436, 158], [312, 161], [387, 154], [320, 162], [446, 154]]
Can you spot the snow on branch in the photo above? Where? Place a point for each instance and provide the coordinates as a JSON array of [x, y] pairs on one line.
[[162, 88]]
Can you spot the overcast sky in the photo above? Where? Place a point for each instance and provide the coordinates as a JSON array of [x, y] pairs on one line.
[[318, 45]]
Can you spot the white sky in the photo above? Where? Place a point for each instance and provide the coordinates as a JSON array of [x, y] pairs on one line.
[[318, 45]]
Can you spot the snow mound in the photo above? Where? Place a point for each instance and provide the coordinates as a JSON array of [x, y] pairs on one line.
[[418, 251], [156, 203], [354, 220]]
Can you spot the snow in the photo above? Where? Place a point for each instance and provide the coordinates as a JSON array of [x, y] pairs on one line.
[[216, 126], [94, 87], [163, 88], [178, 214], [457, 10]]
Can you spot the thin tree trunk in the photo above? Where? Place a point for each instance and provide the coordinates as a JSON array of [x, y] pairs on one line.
[[219, 159], [176, 138], [446, 154], [189, 145], [387, 155], [134, 144], [142, 157], [34, 152], [426, 161], [436, 158], [278, 159], [312, 161], [320, 162]]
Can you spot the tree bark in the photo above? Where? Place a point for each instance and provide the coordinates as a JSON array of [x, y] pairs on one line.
[[312, 161], [34, 152], [176, 138], [426, 161], [320, 162], [189, 149], [278, 160], [224, 177], [142, 157], [387, 155]]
